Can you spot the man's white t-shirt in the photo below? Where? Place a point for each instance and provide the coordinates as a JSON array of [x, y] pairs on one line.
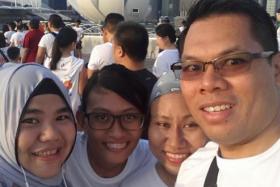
[[47, 43], [79, 31], [164, 61], [145, 177], [101, 55], [262, 170], [80, 173], [8, 36], [17, 39]]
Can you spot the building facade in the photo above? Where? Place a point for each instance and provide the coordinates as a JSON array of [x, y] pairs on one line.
[[55, 4], [170, 8]]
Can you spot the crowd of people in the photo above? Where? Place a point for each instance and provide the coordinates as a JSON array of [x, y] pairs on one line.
[[206, 115]]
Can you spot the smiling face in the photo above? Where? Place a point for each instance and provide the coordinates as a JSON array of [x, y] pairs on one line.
[[46, 136], [108, 150], [173, 134], [232, 110]]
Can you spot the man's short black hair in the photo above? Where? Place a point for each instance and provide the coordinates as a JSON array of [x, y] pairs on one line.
[[34, 23], [168, 30], [56, 21], [262, 27], [133, 39], [111, 21], [13, 53], [12, 25]]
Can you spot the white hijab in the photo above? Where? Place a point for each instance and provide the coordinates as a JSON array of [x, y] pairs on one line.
[[17, 82]]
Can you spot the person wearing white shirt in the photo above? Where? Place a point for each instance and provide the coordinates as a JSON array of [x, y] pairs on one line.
[[45, 45], [79, 30], [102, 55], [166, 39], [17, 38], [230, 82], [9, 33], [69, 69]]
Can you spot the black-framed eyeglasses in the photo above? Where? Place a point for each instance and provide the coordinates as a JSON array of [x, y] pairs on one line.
[[227, 65], [105, 121]]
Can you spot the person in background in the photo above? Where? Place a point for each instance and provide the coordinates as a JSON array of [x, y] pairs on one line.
[[37, 127], [114, 103], [8, 34], [31, 41], [79, 30], [45, 27], [5, 28], [183, 26], [230, 82], [173, 135], [277, 17], [68, 68], [3, 49], [130, 44], [18, 37], [165, 39], [14, 54], [25, 28], [102, 55], [18, 21], [55, 23]]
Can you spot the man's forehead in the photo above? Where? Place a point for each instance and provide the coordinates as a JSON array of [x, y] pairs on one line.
[[218, 35]]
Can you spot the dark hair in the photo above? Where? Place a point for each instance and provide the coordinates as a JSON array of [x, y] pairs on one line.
[[78, 21], [34, 23], [19, 27], [56, 21], [24, 26], [13, 53], [120, 80], [2, 40], [111, 21], [12, 25], [168, 30], [19, 20], [262, 28], [133, 39], [5, 28], [63, 39]]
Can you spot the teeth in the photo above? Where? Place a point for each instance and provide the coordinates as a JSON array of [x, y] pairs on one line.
[[217, 108], [176, 156], [116, 146], [46, 153]]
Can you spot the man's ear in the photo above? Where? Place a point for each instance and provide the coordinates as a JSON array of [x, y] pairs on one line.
[[119, 51], [276, 65]]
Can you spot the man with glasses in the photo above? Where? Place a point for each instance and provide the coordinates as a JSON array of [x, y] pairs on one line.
[[229, 75]]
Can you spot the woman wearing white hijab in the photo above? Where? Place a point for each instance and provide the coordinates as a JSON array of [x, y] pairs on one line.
[[37, 127]]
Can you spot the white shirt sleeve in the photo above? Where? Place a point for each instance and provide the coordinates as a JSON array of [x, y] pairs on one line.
[[43, 42], [95, 61], [160, 66]]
